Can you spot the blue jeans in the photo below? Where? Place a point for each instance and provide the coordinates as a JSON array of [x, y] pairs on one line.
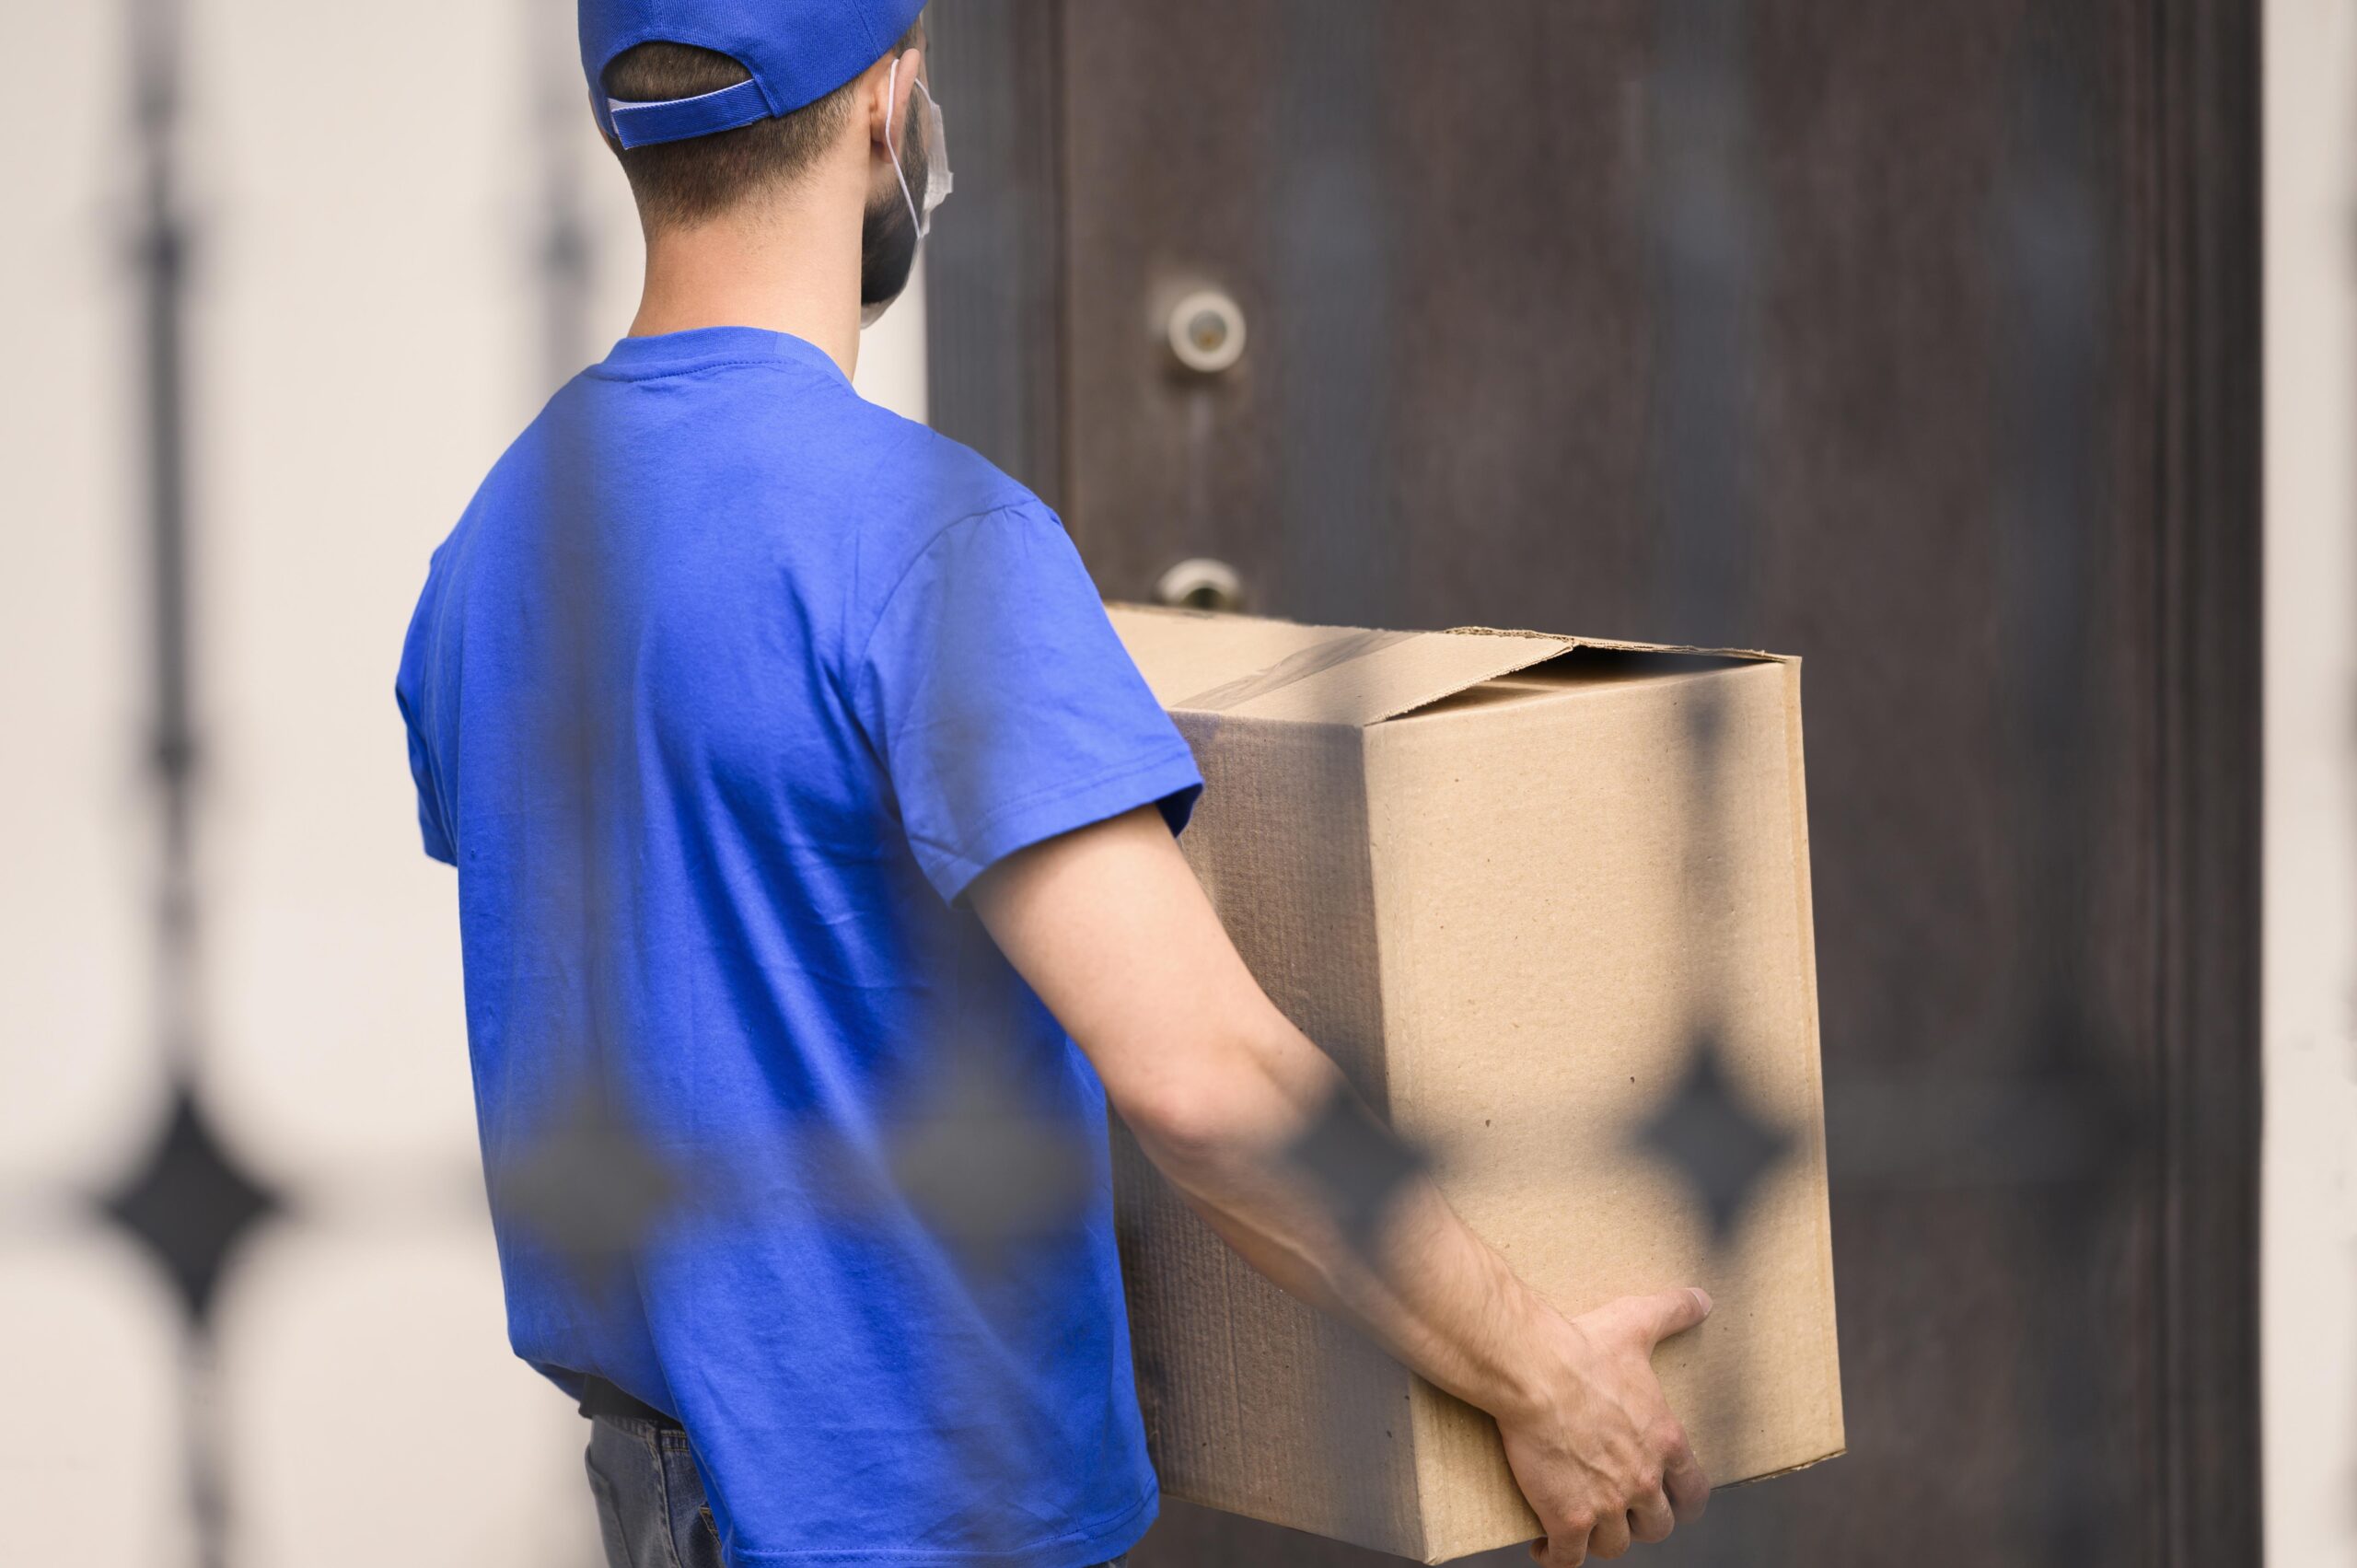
[[651, 1507]]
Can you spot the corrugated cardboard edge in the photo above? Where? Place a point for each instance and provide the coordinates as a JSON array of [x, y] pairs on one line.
[[1615, 644], [1779, 1475], [1794, 748]]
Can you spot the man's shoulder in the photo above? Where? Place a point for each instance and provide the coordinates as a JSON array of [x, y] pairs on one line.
[[906, 484], [801, 432], [937, 483], [808, 464]]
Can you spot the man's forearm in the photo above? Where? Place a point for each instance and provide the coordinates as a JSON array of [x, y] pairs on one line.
[[1423, 1285], [1112, 929]]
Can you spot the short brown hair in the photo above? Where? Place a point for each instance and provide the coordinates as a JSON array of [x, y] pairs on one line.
[[679, 184]]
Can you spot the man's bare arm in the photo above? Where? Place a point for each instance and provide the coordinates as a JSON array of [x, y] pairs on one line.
[[1110, 927]]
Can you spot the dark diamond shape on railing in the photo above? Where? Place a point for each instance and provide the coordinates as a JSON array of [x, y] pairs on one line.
[[1715, 1140], [190, 1205], [985, 1170], [1357, 1164], [592, 1190]]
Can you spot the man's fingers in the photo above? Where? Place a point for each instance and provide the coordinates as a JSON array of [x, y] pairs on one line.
[[1560, 1551], [1688, 1489], [1651, 1517], [1611, 1537], [1671, 1312]]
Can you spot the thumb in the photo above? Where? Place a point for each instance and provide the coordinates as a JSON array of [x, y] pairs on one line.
[[1659, 1318]]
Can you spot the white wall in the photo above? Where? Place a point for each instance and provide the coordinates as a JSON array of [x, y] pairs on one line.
[[368, 336], [2310, 1265]]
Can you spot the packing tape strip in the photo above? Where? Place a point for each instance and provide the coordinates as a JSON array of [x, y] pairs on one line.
[[1315, 659]]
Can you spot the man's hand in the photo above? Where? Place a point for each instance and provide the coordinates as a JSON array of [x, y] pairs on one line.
[[1116, 936], [1599, 1457]]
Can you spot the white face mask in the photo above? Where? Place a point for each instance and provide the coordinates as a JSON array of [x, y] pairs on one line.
[[938, 181]]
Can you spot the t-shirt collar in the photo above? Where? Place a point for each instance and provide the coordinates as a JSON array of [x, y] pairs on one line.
[[706, 348]]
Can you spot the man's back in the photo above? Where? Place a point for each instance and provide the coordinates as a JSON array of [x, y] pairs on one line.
[[723, 691]]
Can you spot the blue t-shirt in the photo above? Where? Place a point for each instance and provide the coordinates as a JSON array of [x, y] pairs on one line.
[[719, 695]]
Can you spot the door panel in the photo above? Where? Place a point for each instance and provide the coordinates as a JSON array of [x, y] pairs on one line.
[[1976, 441]]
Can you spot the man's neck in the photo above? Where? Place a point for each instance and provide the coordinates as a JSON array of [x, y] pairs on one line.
[[791, 266]]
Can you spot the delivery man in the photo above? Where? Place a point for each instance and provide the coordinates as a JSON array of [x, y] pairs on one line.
[[867, 759]]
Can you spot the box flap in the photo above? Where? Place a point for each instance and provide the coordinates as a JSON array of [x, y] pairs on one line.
[[1620, 645], [1181, 651], [1198, 662]]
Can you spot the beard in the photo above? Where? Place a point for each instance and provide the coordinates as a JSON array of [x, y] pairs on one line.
[[889, 238]]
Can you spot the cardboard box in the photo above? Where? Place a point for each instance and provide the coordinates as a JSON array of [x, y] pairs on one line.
[[1487, 872]]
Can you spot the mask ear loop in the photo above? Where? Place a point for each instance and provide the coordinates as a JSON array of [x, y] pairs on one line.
[[892, 93]]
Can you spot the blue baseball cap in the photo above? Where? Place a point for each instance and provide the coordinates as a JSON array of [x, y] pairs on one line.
[[799, 51]]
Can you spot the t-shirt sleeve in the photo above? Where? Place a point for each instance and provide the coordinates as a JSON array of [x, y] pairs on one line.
[[409, 691], [1002, 704]]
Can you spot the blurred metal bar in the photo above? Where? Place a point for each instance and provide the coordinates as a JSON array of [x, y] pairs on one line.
[[994, 277], [588, 1185], [162, 256], [565, 256], [2052, 273], [1705, 244], [152, 1202], [1342, 543]]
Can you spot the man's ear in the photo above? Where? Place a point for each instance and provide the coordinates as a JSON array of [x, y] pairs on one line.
[[884, 93]]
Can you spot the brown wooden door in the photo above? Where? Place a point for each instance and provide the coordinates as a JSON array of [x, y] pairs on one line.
[[1918, 340]]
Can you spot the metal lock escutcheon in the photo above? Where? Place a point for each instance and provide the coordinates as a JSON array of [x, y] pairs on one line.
[[1201, 583], [1207, 332]]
